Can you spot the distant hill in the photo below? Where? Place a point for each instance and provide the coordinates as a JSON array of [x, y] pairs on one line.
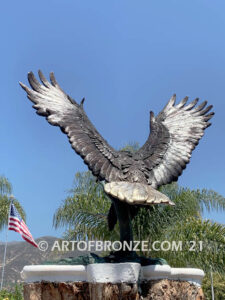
[[20, 254]]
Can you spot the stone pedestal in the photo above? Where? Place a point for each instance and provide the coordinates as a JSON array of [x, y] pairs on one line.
[[56, 291], [165, 289], [107, 281]]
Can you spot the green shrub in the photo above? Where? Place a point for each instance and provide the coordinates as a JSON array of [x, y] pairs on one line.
[[15, 293], [218, 286]]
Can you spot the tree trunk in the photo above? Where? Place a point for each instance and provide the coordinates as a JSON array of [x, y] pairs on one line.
[[162, 289]]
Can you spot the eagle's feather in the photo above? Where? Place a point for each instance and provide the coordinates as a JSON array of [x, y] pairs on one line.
[[175, 132]]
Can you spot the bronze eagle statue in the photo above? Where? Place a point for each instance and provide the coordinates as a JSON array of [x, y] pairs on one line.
[[130, 179]]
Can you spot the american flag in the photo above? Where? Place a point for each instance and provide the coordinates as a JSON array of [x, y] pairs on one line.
[[17, 224]]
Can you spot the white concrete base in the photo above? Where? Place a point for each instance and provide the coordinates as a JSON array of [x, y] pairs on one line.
[[106, 272], [114, 273], [58, 273], [192, 275]]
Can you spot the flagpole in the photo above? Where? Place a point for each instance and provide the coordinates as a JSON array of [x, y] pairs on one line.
[[211, 277], [6, 242]]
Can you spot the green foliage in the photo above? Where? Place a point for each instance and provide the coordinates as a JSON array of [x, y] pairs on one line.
[[218, 286], [16, 293], [5, 191], [84, 212], [5, 186], [161, 218], [131, 147], [202, 242]]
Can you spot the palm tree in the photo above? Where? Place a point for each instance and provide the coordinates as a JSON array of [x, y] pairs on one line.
[[5, 192], [84, 213]]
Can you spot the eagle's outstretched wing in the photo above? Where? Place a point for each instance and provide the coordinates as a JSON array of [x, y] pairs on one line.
[[60, 110], [175, 132]]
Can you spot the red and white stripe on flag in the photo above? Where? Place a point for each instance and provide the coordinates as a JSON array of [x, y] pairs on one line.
[[17, 224]]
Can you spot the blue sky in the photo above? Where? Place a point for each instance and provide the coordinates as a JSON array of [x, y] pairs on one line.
[[126, 58]]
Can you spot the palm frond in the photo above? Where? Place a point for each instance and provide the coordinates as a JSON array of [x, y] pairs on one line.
[[5, 186], [210, 200], [203, 245], [84, 213]]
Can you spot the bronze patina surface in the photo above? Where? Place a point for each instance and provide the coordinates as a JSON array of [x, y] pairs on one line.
[[131, 179]]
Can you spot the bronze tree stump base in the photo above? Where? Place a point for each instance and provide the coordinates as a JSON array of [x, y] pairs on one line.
[[111, 281], [162, 289]]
